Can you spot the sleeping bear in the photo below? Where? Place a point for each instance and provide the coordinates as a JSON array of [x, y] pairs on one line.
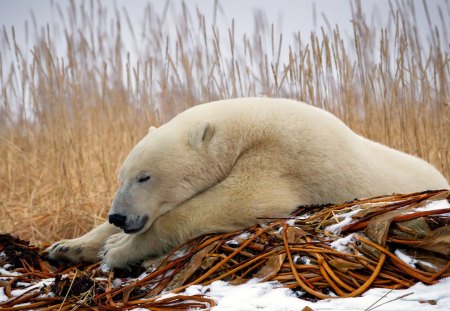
[[226, 165]]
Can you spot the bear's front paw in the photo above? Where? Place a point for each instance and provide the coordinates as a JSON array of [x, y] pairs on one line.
[[74, 250], [120, 251]]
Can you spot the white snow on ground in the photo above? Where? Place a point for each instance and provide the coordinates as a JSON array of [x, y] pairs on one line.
[[411, 261], [3, 297], [434, 205], [271, 296], [238, 239], [291, 222], [301, 260], [341, 245], [405, 258], [249, 296], [41, 284], [336, 228], [5, 272]]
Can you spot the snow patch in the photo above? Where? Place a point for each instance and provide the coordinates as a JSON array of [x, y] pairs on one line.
[[23, 284], [237, 240], [412, 261], [304, 260], [337, 228], [179, 253], [434, 205], [405, 258], [271, 296], [3, 297], [105, 268], [43, 283], [291, 222], [144, 274], [249, 296], [116, 283], [4, 272], [303, 217], [341, 245]]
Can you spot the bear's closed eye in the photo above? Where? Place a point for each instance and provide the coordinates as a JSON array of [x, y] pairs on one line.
[[141, 179]]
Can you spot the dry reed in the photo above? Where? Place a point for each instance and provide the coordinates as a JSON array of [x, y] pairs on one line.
[[68, 120]]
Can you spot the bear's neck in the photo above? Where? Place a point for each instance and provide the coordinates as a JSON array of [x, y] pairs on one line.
[[238, 140]]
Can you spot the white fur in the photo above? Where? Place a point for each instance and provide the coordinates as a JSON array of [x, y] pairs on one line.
[[224, 165]]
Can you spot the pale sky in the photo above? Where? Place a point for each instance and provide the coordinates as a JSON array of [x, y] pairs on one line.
[[288, 16]]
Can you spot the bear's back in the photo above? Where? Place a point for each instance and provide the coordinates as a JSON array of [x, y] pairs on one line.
[[309, 141], [279, 115]]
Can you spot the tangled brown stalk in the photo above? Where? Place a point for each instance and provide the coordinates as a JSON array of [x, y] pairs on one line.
[[301, 253]]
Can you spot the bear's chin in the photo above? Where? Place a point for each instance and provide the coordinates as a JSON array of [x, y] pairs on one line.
[[137, 228], [131, 231]]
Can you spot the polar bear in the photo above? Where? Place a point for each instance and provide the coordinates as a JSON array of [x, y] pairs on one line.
[[229, 164]]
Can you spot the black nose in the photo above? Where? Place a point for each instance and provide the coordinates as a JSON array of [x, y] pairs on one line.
[[117, 220]]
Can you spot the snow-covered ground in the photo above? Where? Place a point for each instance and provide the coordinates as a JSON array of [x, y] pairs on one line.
[[271, 296]]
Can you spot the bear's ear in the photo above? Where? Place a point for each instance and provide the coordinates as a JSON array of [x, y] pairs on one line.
[[201, 134], [151, 129]]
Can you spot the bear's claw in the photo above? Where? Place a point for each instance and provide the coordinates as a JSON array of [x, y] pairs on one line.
[[71, 250]]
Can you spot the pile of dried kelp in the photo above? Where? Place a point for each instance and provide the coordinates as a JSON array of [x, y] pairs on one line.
[[391, 242]]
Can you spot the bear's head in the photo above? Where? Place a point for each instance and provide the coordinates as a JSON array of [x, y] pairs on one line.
[[168, 166]]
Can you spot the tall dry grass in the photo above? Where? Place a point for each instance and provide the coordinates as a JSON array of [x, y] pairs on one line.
[[67, 120]]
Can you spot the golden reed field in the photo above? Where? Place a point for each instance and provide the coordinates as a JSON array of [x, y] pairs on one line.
[[68, 120]]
